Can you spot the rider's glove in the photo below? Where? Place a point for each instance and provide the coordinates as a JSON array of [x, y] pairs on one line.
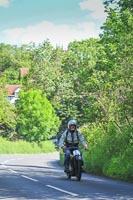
[[86, 147], [64, 147]]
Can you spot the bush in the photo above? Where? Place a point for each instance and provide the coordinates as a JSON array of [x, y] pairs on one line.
[[110, 154], [119, 168]]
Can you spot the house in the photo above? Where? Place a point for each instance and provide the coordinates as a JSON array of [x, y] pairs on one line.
[[13, 91]]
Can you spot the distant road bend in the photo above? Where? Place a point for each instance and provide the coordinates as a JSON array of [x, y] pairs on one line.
[[39, 176]]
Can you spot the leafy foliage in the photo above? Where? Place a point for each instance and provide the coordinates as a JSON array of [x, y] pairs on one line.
[[7, 117], [36, 117], [91, 82]]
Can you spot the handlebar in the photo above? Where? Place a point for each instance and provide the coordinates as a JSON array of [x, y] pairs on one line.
[[72, 147]]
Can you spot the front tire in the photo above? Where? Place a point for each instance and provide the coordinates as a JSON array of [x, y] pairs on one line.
[[78, 169]]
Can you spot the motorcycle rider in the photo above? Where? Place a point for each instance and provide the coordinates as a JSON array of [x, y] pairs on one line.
[[71, 138]]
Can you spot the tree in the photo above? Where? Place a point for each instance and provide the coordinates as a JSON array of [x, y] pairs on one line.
[[37, 120], [80, 66], [12, 59], [118, 45], [7, 115]]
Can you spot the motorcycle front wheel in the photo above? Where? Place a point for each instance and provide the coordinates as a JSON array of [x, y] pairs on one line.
[[78, 169]]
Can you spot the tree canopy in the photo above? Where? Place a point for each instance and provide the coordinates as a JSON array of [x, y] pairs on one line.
[[36, 119], [90, 82]]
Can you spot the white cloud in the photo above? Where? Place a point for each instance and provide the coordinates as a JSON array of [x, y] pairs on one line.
[[4, 3], [95, 6], [57, 34]]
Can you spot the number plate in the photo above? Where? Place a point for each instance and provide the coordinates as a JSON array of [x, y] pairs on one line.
[[76, 152]]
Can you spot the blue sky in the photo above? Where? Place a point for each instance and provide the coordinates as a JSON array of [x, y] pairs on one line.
[[60, 21]]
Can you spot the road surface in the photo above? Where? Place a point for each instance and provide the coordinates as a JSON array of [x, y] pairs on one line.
[[35, 177]]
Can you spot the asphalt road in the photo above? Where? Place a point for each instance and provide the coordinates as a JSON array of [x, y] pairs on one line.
[[35, 177]]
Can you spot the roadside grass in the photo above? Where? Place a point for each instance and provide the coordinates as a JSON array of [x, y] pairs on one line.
[[23, 147]]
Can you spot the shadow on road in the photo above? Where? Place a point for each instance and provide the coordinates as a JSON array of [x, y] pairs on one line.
[[15, 186]]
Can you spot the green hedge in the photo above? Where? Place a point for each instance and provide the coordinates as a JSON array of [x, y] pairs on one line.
[[110, 152]]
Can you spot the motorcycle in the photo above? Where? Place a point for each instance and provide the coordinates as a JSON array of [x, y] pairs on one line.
[[75, 164]]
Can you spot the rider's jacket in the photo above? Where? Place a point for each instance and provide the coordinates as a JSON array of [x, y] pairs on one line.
[[71, 139]]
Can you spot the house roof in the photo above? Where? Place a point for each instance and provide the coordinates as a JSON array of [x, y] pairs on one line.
[[11, 89], [23, 71]]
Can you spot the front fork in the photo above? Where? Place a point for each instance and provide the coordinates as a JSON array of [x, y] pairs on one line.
[[75, 160]]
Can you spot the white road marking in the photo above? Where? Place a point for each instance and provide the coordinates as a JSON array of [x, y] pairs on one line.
[[12, 171], [35, 180], [71, 193], [3, 166], [6, 161], [32, 179]]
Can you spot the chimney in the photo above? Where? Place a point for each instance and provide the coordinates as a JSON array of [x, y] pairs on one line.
[[23, 72]]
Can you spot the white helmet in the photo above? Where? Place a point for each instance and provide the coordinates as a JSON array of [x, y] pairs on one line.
[[72, 122]]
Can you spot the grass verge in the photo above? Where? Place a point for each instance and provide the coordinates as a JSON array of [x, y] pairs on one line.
[[23, 147]]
